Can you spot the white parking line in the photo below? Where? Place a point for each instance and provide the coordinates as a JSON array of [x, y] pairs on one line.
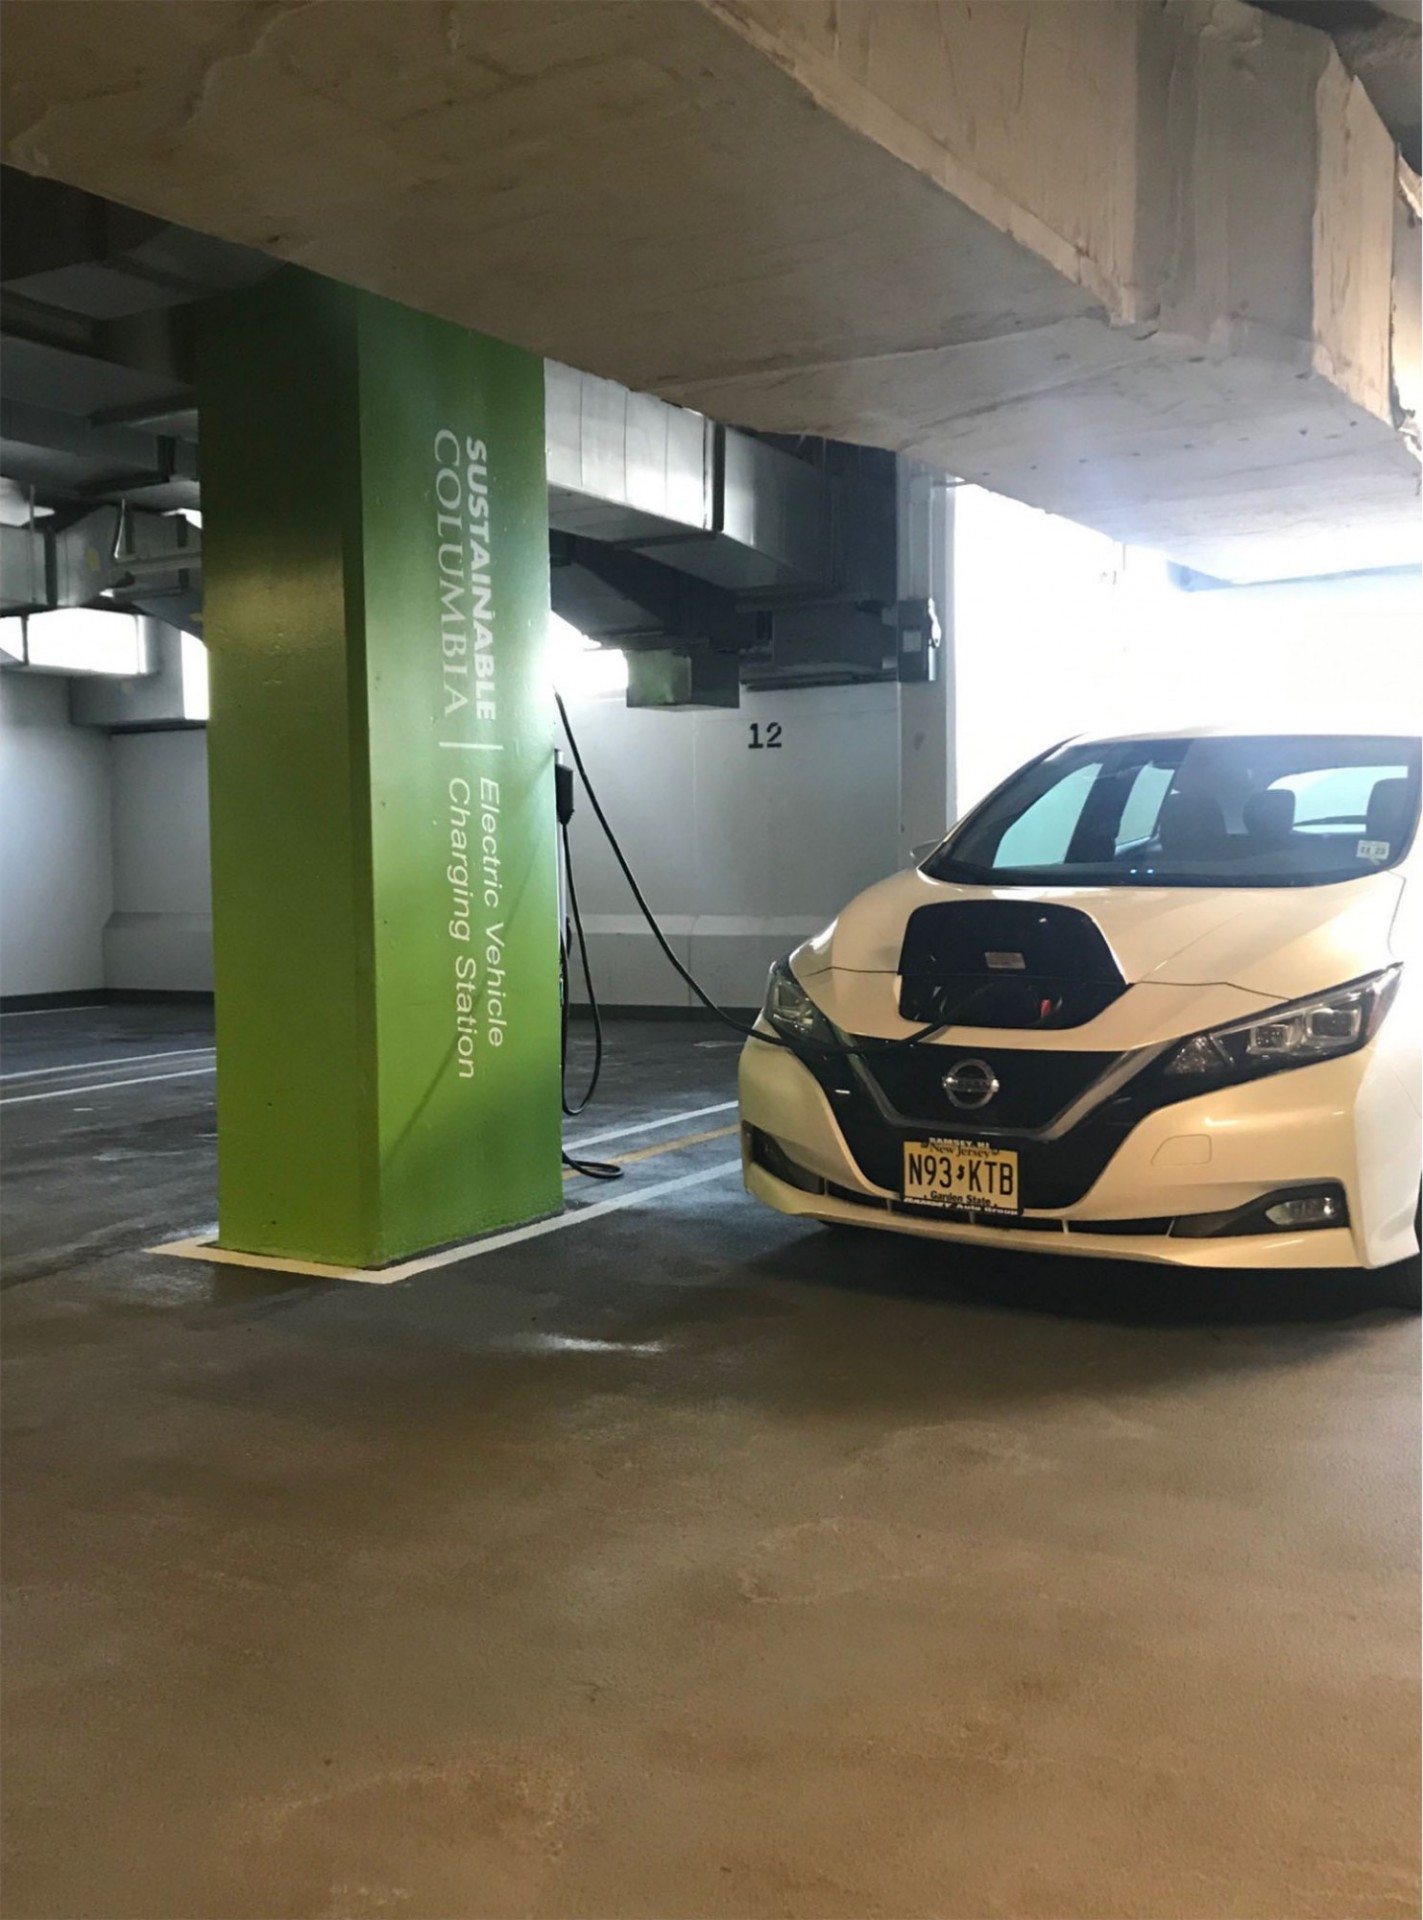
[[34, 1013], [148, 1079], [102, 1086], [646, 1126], [447, 1256], [97, 1066]]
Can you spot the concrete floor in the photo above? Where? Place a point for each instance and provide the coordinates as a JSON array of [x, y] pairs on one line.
[[689, 1562]]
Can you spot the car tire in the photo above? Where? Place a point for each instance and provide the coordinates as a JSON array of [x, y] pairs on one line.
[[1402, 1283]]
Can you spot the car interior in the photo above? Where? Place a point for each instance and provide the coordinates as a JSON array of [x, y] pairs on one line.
[[1217, 810], [1271, 827]]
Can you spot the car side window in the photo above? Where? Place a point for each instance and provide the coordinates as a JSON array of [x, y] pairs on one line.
[[1042, 834]]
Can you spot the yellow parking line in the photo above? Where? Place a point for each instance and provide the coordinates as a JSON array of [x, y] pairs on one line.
[[687, 1140], [668, 1146]]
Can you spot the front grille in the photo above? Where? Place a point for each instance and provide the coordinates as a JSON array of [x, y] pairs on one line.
[[1052, 1173], [1034, 1087]]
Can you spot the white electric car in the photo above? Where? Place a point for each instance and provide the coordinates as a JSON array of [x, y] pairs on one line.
[[1154, 999]]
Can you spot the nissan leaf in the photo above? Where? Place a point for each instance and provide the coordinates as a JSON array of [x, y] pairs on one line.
[[1154, 999]]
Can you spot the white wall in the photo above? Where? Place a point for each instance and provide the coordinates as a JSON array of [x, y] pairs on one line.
[[1311, 654], [741, 852], [55, 846], [160, 932], [1056, 631], [1043, 617], [1060, 631]]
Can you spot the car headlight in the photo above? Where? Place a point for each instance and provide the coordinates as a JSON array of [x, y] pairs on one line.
[[1293, 1036], [790, 1009]]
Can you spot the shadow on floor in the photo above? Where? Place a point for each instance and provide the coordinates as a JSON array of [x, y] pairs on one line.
[[1122, 1293]]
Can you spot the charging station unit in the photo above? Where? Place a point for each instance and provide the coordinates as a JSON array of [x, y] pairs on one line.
[[381, 776]]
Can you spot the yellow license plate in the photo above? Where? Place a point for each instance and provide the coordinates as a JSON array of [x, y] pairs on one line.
[[961, 1173]]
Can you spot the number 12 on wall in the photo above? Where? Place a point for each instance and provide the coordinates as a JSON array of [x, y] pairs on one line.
[[772, 731]]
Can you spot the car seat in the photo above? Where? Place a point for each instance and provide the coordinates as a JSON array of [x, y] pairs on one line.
[[1270, 816], [1387, 817], [1191, 826]]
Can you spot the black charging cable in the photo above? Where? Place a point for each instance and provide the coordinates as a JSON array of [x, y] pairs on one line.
[[572, 1108], [737, 1026], [591, 1169]]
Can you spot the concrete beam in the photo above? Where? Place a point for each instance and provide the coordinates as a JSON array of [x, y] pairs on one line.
[[1228, 195], [1133, 264]]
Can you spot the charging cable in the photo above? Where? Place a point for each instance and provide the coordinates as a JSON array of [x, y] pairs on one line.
[[737, 1026], [591, 1169]]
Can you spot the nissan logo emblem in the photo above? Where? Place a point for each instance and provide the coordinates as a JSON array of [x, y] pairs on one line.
[[972, 1083]]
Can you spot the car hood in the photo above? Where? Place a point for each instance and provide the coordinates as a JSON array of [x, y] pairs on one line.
[[1282, 942]]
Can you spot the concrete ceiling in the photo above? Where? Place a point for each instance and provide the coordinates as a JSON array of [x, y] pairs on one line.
[[668, 196]]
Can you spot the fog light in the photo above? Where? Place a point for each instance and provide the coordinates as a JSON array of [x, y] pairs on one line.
[[771, 1155], [1316, 1211]]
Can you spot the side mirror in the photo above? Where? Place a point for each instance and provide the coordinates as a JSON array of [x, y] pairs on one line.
[[923, 850]]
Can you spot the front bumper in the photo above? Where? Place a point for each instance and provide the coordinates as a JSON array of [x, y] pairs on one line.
[[1347, 1123]]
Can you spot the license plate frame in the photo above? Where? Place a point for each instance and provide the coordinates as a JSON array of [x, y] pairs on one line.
[[973, 1176]]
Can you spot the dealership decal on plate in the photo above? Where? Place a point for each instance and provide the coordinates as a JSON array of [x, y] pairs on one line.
[[961, 1173]]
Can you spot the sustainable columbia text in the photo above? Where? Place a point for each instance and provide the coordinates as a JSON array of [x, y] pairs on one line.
[[469, 719]]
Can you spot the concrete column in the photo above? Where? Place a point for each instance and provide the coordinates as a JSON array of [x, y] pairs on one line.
[[927, 784], [375, 562]]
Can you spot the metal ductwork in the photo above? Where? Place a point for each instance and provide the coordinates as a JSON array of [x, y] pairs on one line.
[[670, 527], [113, 555], [72, 252], [96, 396], [659, 480], [669, 532]]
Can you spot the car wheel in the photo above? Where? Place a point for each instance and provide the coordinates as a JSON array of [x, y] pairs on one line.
[[1402, 1283]]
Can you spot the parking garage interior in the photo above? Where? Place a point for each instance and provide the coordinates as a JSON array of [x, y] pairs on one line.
[[433, 1484]]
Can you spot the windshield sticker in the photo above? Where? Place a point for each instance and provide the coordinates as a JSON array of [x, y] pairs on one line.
[[1374, 849]]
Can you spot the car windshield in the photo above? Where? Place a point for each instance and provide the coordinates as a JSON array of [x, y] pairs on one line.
[[1272, 811]]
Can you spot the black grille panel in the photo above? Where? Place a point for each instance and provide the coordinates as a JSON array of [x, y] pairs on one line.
[[1051, 1173], [1034, 1087]]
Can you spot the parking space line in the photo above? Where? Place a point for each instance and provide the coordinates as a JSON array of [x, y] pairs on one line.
[[33, 1013], [449, 1256], [149, 1079], [94, 1066], [647, 1126], [674, 1146], [668, 1146], [103, 1086]]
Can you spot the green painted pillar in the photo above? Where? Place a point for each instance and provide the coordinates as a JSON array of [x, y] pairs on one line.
[[375, 581]]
